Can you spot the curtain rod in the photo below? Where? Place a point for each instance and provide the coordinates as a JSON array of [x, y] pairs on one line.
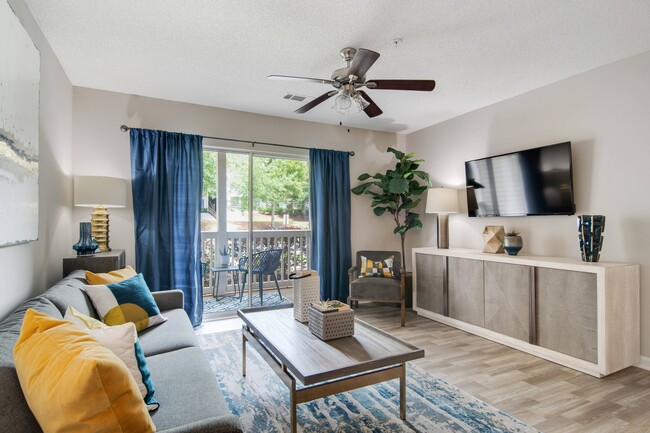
[[125, 128]]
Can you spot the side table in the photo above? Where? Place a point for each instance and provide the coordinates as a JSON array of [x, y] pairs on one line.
[[100, 262], [215, 281]]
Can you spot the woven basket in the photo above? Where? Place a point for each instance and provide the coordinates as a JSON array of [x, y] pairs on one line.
[[306, 291], [328, 326]]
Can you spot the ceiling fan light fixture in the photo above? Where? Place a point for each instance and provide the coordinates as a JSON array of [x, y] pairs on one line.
[[359, 102], [342, 103]]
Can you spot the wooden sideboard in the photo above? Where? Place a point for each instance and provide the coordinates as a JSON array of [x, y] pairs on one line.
[[585, 316], [99, 262]]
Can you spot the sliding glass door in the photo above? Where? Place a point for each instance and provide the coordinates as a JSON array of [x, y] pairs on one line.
[[271, 214]]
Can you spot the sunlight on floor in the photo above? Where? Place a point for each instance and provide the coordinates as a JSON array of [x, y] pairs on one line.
[[222, 325]]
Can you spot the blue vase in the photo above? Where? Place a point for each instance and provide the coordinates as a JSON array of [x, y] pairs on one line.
[[86, 244], [590, 234]]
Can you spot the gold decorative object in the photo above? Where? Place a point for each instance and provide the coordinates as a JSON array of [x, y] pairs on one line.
[[99, 221], [100, 193], [493, 236]]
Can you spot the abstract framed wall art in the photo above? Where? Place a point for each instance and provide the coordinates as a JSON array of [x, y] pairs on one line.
[[19, 111]]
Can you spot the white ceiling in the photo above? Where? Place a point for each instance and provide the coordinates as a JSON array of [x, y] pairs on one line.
[[218, 53]]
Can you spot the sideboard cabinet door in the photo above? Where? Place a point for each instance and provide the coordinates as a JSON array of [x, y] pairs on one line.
[[466, 296], [507, 299], [566, 313], [431, 283]]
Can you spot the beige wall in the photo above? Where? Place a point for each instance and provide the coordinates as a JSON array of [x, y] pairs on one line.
[[605, 113], [29, 269], [100, 148]]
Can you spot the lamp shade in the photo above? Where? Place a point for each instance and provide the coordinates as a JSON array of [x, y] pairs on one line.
[[442, 200], [99, 191]]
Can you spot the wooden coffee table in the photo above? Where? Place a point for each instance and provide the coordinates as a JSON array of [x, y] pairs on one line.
[[324, 367]]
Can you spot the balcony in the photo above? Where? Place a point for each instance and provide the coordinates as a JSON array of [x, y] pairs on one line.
[[296, 256]]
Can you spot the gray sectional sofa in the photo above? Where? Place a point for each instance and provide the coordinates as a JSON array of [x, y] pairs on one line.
[[189, 395]]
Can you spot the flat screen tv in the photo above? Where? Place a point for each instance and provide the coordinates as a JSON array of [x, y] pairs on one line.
[[536, 181]]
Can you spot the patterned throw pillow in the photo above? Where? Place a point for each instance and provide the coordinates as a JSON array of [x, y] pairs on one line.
[[123, 341], [72, 383], [377, 268], [127, 301]]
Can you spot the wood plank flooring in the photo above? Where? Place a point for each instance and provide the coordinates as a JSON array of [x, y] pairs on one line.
[[545, 395]]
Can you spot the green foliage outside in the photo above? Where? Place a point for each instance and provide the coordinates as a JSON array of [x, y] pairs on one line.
[[280, 186], [394, 192], [210, 174]]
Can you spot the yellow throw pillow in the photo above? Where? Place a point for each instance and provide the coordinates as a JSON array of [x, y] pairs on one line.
[[111, 277], [73, 383]]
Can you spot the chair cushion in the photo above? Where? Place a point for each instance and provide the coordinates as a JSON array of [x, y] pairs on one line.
[[73, 383], [377, 268], [110, 277], [176, 333], [188, 391], [127, 301], [376, 289]]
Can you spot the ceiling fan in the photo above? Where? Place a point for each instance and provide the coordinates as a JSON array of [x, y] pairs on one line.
[[349, 80]]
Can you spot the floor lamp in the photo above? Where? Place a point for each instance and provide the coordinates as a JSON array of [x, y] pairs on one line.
[[442, 201], [99, 193]]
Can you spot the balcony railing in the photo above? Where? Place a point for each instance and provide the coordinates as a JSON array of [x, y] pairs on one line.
[[295, 244]]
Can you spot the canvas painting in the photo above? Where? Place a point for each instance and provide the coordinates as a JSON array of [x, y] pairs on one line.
[[19, 103]]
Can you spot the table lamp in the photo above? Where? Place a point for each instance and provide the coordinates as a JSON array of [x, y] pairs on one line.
[[442, 201], [100, 193]]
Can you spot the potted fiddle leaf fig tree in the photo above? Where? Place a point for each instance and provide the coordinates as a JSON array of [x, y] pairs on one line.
[[395, 192]]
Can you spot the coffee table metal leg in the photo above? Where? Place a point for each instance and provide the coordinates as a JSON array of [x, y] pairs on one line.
[[402, 393], [243, 354], [292, 406]]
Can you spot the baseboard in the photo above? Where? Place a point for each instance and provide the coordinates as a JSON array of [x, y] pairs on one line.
[[645, 363]]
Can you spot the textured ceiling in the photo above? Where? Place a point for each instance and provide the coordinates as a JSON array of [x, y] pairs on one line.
[[219, 53]]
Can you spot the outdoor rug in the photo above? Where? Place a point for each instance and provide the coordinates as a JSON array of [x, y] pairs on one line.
[[261, 400], [232, 303]]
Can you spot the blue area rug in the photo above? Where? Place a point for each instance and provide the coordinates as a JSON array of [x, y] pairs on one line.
[[261, 400], [232, 303]]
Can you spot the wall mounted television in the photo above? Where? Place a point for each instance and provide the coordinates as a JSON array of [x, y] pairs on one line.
[[535, 181]]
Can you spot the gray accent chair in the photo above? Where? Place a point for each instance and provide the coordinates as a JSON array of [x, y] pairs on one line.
[[378, 289]]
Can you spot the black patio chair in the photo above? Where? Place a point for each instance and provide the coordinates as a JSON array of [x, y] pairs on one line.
[[264, 263]]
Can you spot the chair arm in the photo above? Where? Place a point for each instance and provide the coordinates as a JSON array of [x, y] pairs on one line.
[[352, 271], [169, 299]]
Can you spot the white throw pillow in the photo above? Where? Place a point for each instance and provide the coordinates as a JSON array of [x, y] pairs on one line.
[[122, 340]]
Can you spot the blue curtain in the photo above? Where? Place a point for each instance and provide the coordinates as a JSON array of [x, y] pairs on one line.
[[167, 179], [329, 190]]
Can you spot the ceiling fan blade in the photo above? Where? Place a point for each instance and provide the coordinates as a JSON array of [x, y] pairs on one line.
[[373, 109], [322, 98], [362, 61], [418, 85], [292, 78]]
